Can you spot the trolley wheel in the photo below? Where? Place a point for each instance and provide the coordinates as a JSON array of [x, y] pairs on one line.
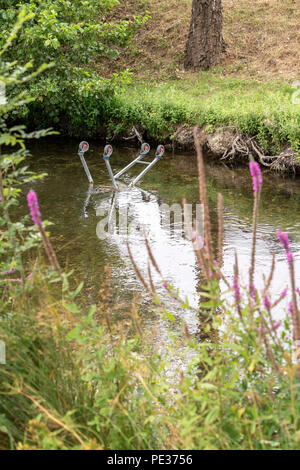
[[108, 150], [83, 146]]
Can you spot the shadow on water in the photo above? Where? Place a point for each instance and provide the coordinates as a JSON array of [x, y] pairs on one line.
[[65, 200]]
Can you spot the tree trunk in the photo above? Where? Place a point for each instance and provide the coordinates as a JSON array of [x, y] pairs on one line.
[[205, 41]]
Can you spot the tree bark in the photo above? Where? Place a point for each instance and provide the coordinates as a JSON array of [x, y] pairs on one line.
[[205, 40]]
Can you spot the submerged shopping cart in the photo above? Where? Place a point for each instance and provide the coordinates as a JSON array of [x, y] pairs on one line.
[[107, 153]]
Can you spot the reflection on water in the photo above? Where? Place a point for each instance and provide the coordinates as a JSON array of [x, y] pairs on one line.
[[66, 200], [140, 213]]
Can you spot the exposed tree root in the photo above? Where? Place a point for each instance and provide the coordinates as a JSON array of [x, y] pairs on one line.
[[245, 146], [225, 143], [286, 161], [134, 134]]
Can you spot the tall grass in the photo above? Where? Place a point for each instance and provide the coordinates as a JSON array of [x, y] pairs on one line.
[[76, 380]]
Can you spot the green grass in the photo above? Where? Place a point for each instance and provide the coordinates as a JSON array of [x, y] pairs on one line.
[[259, 109], [76, 380]]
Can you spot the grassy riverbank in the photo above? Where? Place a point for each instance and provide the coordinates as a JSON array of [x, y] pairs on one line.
[[264, 110], [260, 109]]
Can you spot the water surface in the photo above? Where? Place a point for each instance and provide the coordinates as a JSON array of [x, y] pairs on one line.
[[66, 200]]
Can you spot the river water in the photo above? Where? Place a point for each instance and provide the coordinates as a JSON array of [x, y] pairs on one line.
[[66, 200]]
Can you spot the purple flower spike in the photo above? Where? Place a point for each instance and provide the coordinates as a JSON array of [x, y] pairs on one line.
[[284, 240], [283, 293], [290, 307], [267, 303], [256, 176], [33, 205], [252, 291], [236, 289], [276, 325], [262, 330]]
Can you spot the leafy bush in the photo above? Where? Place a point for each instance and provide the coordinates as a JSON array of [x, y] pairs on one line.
[[73, 35], [16, 237]]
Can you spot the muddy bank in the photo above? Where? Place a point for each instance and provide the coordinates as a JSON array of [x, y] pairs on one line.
[[224, 144]]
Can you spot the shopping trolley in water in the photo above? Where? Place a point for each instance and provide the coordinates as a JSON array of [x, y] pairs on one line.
[[107, 153]]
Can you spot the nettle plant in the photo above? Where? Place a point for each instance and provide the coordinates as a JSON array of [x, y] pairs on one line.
[[74, 35], [16, 237]]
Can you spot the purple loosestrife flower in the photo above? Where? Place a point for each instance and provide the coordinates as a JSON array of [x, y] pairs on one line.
[[262, 330], [252, 291], [236, 289], [284, 240], [33, 205], [290, 307], [267, 303], [11, 271], [256, 176], [276, 325], [283, 293]]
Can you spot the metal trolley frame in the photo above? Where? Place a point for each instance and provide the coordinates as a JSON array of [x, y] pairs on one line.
[[107, 153]]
